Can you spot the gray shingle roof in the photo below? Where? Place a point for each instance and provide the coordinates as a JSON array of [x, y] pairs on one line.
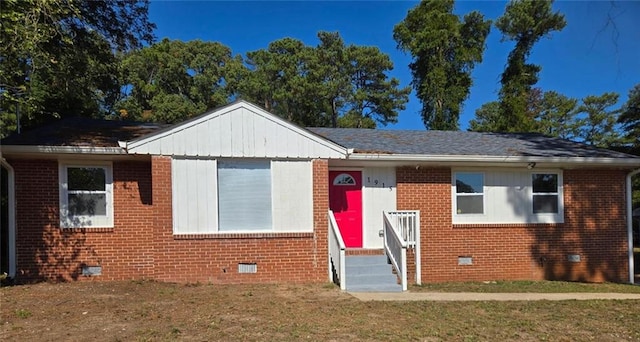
[[461, 143], [82, 132]]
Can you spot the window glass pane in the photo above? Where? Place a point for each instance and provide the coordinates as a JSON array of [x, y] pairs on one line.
[[545, 204], [244, 195], [545, 182], [469, 183], [86, 178], [87, 204], [469, 204], [344, 179]]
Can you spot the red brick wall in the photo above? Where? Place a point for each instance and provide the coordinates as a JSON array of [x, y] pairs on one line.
[[594, 227], [142, 245], [280, 257], [46, 252]]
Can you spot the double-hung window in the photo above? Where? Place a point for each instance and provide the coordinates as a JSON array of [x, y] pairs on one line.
[[469, 193], [545, 193], [86, 195]]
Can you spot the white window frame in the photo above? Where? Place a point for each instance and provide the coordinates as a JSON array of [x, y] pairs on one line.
[[456, 194], [559, 216], [85, 221]]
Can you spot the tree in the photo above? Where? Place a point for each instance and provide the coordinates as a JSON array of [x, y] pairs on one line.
[[332, 84], [525, 22], [57, 56], [557, 116], [172, 81], [445, 51], [630, 117], [487, 117], [598, 121]]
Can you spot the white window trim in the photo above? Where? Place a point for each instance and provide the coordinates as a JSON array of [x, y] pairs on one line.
[[549, 217], [86, 221], [455, 194]]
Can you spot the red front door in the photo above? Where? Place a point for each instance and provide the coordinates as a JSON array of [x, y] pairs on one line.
[[345, 200]]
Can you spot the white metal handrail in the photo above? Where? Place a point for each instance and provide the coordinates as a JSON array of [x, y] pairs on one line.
[[337, 254], [396, 249]]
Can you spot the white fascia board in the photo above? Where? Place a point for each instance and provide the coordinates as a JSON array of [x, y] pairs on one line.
[[480, 160], [130, 146], [39, 149]]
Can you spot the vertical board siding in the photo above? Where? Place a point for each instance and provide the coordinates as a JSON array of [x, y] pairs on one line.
[[242, 132], [194, 188], [292, 195], [377, 198]]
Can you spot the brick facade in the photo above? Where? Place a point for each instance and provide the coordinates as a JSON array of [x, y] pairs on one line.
[[594, 228], [141, 245]]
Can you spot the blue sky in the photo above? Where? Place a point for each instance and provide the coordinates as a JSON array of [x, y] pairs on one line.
[[589, 57]]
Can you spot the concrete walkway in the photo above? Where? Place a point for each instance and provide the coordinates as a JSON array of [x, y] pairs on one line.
[[474, 296]]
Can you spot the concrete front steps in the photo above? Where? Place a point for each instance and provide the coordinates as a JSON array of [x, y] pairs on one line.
[[370, 273]]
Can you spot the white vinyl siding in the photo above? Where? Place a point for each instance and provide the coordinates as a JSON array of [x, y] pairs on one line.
[[378, 195], [86, 195], [240, 130], [244, 195], [292, 195], [508, 198], [194, 196]]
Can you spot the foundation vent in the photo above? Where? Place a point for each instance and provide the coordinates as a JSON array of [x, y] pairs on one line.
[[90, 271], [247, 268]]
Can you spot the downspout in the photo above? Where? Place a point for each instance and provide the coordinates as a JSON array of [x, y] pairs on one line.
[[12, 217], [630, 222]]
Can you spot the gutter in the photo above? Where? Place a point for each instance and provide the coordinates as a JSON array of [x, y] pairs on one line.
[[630, 223], [422, 158], [15, 149]]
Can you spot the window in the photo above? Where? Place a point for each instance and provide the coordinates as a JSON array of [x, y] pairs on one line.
[[244, 195], [469, 193], [86, 196], [545, 193], [344, 179]]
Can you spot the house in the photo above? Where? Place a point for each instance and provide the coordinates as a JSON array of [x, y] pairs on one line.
[[238, 195]]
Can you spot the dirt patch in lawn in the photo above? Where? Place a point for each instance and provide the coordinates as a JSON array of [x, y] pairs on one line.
[[152, 311]]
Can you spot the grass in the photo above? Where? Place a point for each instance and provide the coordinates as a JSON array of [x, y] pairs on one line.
[[153, 311], [526, 286]]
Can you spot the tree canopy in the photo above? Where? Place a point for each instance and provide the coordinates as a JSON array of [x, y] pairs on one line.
[[445, 50], [525, 22], [59, 57], [331, 84], [172, 80]]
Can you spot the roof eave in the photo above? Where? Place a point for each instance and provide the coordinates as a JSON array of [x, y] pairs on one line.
[[41, 149], [495, 160]]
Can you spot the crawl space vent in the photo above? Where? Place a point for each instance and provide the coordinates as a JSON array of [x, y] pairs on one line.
[[247, 268], [89, 271]]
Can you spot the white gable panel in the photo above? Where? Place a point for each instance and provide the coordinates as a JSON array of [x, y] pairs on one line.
[[292, 196], [240, 130]]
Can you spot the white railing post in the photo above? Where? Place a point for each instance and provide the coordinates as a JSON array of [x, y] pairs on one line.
[[337, 254], [416, 250]]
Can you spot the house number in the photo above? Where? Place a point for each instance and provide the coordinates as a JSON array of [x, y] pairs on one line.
[[375, 181]]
